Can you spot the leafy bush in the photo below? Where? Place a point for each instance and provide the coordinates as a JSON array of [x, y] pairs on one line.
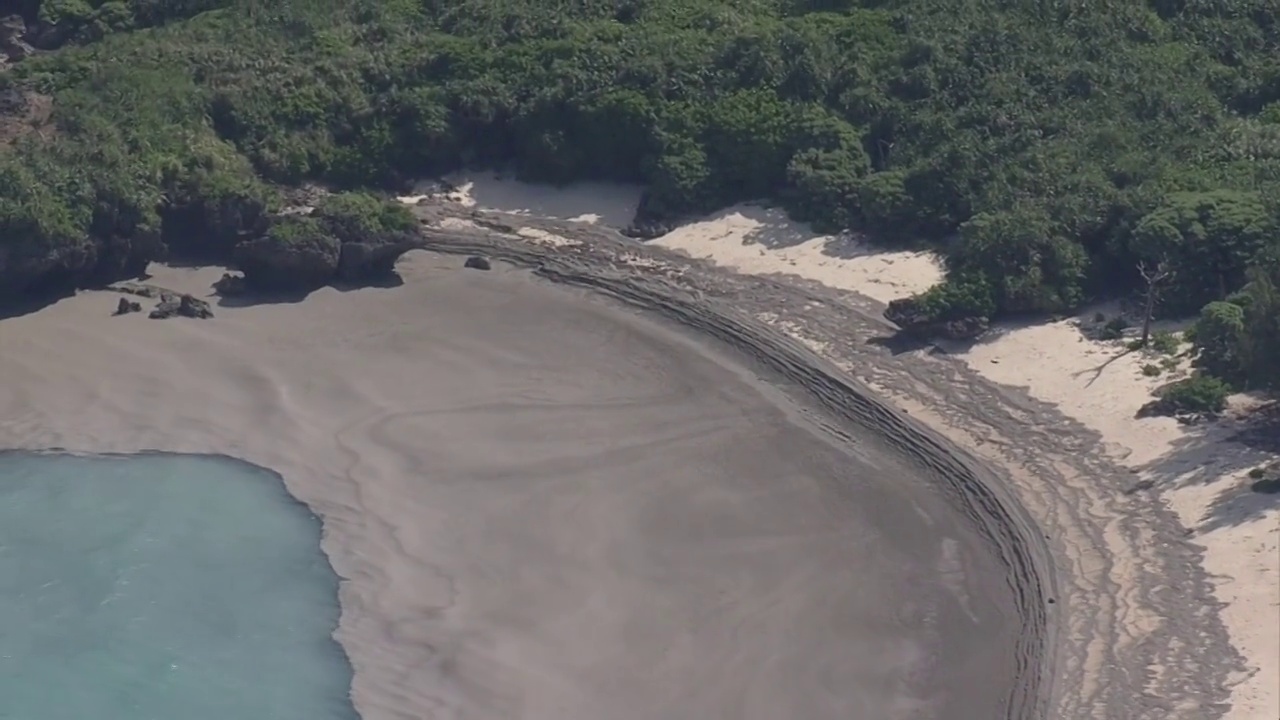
[[1197, 395], [361, 217], [1165, 343], [958, 299], [1218, 336]]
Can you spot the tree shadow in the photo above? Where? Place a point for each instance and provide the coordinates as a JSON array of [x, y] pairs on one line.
[[1097, 371], [50, 293], [903, 342], [383, 283], [250, 298], [775, 230], [26, 305], [1219, 454]]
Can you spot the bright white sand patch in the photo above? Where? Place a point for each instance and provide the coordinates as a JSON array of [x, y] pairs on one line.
[[747, 238], [763, 241], [1202, 472]]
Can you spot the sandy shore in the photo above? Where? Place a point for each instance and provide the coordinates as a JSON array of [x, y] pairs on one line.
[[544, 505], [460, 596], [1197, 472]]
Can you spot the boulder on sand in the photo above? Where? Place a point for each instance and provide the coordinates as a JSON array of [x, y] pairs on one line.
[[180, 305]]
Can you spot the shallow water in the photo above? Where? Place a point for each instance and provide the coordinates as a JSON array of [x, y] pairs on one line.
[[158, 587]]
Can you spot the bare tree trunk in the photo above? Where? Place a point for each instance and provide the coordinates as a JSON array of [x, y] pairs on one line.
[[1153, 279], [1146, 315]]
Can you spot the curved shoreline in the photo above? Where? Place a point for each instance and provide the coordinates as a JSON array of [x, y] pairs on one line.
[[1132, 630], [996, 514], [1097, 660]]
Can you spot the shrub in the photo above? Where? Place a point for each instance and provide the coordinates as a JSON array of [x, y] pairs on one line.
[[1165, 343], [1114, 329], [361, 217], [1197, 395]]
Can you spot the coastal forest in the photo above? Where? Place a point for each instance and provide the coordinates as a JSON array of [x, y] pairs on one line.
[[1055, 152]]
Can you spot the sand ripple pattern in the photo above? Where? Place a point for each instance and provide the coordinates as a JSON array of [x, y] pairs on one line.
[[1118, 619]]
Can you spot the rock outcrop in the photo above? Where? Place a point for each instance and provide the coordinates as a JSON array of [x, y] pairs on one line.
[[373, 260], [13, 44], [908, 314], [302, 258], [172, 304], [180, 305], [231, 285], [350, 239]]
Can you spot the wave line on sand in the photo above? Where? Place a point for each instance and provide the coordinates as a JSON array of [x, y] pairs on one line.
[[1103, 632]]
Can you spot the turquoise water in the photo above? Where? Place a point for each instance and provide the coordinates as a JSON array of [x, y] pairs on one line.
[[163, 587]]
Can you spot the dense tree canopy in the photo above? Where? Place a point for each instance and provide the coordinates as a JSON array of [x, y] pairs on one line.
[[1046, 148]]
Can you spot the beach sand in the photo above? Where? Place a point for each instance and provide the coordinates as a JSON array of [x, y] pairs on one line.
[[547, 506], [1199, 471], [459, 596]]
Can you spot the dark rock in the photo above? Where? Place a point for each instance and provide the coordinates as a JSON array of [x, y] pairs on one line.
[[231, 285], [139, 289], [1140, 486], [167, 308], [964, 329], [907, 313], [12, 43], [373, 260], [300, 264], [912, 317], [14, 102], [1266, 486], [126, 306], [650, 220], [194, 307], [173, 304], [477, 262]]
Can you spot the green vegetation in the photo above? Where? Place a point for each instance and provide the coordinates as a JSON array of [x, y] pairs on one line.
[[1238, 339], [1164, 343], [1196, 395], [1047, 148], [351, 237], [1114, 329]]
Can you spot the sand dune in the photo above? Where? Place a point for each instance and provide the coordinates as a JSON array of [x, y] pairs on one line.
[[1198, 472]]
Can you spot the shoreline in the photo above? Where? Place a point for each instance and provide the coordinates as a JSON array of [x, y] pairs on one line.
[[1000, 519], [1116, 621], [204, 420], [1132, 612], [1194, 476]]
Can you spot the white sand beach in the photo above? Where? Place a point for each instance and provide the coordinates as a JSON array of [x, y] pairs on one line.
[[1199, 471]]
